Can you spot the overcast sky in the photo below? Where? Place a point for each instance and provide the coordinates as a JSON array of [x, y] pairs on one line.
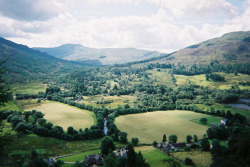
[[162, 25]]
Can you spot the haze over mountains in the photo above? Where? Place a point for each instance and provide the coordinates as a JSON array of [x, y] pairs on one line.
[[106, 56]]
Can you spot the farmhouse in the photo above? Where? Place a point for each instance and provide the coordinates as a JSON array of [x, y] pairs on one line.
[[167, 147], [95, 159], [123, 152]]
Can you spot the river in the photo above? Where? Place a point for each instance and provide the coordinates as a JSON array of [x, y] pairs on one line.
[[241, 103], [105, 128]]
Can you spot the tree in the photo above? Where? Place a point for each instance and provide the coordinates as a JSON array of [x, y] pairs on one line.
[[203, 121], [189, 161], [189, 138], [107, 144], [172, 163], [172, 139], [6, 137], [154, 143], [5, 93], [109, 162], [164, 138], [195, 138], [123, 137], [131, 156], [135, 141], [205, 144]]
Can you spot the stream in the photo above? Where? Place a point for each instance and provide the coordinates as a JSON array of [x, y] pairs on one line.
[[241, 103]]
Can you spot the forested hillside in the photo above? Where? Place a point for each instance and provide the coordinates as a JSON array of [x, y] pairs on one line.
[[25, 64]]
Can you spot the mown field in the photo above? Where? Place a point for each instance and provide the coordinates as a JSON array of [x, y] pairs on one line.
[[112, 101], [153, 156], [29, 88], [151, 126], [200, 158], [230, 79], [65, 115]]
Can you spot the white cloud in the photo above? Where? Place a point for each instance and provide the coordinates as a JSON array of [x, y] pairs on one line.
[[182, 8]]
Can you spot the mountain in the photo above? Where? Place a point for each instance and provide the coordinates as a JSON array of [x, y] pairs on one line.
[[105, 56], [24, 63], [231, 48]]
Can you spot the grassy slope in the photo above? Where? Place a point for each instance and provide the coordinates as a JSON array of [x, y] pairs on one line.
[[79, 157], [200, 158], [151, 126], [162, 77], [30, 88], [153, 156], [11, 105], [230, 79], [65, 115]]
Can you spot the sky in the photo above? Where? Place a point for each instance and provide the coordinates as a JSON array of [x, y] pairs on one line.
[[158, 25]]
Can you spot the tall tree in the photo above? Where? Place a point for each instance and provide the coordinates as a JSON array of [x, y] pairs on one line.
[[107, 144], [164, 138], [131, 156]]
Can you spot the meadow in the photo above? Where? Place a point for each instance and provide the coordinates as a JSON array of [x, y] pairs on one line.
[[230, 79], [114, 101], [200, 158], [153, 156], [151, 126], [65, 115], [28, 88], [161, 77]]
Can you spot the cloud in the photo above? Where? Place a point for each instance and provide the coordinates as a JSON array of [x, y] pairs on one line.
[[30, 10], [203, 8]]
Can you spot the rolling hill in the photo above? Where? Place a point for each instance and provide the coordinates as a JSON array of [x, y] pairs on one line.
[[231, 48], [24, 64], [106, 56]]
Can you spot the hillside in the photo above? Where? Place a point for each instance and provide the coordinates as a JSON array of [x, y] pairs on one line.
[[24, 63], [105, 56], [231, 48]]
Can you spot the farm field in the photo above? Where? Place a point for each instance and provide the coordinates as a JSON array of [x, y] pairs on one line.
[[79, 157], [113, 101], [151, 126], [162, 77], [65, 115], [153, 156], [11, 105], [224, 107], [29, 88], [200, 158], [230, 79]]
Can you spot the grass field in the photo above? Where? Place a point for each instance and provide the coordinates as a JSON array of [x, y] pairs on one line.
[[116, 100], [11, 105], [162, 77], [224, 107], [30, 88], [79, 157], [212, 119], [200, 158], [230, 79], [151, 126], [65, 115], [153, 156]]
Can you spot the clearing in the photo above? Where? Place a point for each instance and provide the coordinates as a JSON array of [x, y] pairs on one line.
[[151, 126], [65, 115]]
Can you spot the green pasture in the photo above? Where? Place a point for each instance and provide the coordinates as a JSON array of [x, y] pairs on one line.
[[79, 157], [153, 156], [212, 119], [29, 88], [200, 158], [65, 115], [161, 77], [115, 100], [230, 79], [151, 126], [226, 108], [10, 106]]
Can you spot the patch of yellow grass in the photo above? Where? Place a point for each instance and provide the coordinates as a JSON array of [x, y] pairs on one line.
[[200, 158], [162, 77], [151, 126], [65, 115], [230, 79]]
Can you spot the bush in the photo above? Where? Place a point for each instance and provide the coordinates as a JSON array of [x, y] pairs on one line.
[[187, 148], [189, 161]]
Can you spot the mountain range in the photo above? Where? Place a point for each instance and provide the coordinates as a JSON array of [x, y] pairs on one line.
[[106, 56]]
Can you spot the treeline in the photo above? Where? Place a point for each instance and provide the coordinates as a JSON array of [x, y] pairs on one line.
[[197, 69], [214, 77], [33, 122]]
